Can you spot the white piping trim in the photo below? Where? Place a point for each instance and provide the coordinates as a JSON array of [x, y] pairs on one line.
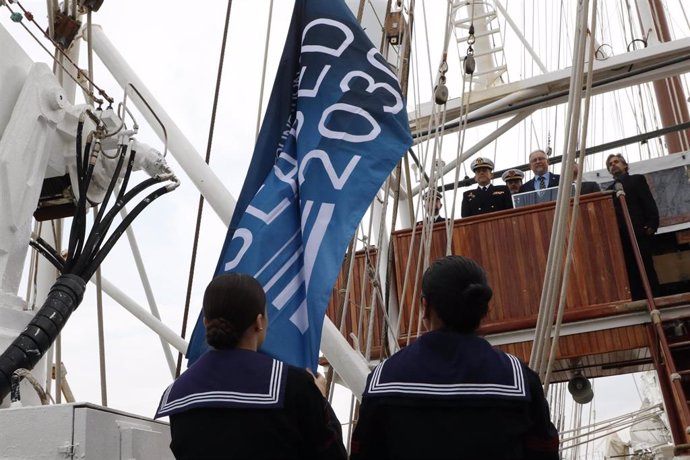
[[271, 397], [517, 388]]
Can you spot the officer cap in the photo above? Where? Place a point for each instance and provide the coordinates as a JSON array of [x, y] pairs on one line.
[[433, 192], [512, 174], [482, 163]]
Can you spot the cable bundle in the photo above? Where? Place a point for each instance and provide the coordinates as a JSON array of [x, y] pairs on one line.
[[84, 254]]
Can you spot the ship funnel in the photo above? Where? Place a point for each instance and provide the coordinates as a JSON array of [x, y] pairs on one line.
[[580, 388]]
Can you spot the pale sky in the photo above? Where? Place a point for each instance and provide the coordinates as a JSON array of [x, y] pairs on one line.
[[174, 49]]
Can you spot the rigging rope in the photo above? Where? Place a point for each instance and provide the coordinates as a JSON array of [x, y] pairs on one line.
[[427, 223], [263, 69], [464, 103], [555, 258], [200, 207], [576, 205], [62, 54]]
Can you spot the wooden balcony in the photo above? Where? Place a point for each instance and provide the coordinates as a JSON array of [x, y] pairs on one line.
[[599, 335]]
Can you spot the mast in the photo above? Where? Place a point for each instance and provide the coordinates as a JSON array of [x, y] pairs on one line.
[[669, 92]]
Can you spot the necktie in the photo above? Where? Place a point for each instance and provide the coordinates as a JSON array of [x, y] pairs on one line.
[[484, 188], [542, 182]]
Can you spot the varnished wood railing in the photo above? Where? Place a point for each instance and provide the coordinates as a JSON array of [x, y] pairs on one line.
[[513, 247]]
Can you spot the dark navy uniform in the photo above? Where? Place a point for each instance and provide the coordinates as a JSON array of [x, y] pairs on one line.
[[478, 201], [243, 404], [451, 395]]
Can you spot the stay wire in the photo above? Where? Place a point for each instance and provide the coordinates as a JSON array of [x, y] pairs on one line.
[[200, 207], [62, 54]]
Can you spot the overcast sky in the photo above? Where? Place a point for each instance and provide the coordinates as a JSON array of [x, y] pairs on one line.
[[174, 47]]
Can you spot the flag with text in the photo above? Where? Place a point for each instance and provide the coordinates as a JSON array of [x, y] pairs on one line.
[[334, 129]]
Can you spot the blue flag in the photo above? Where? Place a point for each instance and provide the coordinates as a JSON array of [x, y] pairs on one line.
[[334, 129]]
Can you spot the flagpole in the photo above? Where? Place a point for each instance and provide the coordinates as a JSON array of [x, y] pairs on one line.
[[348, 363]]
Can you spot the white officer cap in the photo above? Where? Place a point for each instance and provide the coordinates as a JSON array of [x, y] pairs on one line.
[[482, 163]]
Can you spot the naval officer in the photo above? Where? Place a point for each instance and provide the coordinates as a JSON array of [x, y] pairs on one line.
[[513, 179], [486, 197]]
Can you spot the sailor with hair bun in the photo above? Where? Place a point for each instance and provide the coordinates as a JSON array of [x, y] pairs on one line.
[[235, 402], [450, 394]]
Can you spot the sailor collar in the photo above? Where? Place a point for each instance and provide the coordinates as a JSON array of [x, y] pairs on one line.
[[227, 379], [449, 365]]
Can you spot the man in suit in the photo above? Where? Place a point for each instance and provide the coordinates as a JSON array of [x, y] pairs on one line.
[[486, 197], [644, 215], [539, 164], [586, 186], [513, 179]]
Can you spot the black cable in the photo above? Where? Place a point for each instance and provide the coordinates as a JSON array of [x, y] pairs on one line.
[[50, 249], [80, 167], [38, 336], [111, 186], [74, 234], [78, 229], [48, 256], [98, 232], [91, 268], [128, 172]]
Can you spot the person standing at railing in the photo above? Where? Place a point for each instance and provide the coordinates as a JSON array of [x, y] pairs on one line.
[[432, 207], [486, 197], [539, 164], [644, 215], [513, 179]]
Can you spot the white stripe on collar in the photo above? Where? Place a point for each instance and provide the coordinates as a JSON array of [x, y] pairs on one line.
[[271, 397], [516, 389]]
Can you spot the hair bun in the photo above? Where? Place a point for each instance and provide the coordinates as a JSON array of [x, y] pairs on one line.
[[220, 333], [477, 293]]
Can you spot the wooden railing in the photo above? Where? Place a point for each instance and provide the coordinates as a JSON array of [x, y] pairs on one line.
[[512, 246]]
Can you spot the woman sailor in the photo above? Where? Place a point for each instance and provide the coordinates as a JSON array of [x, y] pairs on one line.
[[235, 402], [450, 394]]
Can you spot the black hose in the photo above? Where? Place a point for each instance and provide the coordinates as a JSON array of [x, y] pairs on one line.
[[111, 185], [128, 172], [90, 269], [99, 232], [80, 166], [78, 228], [28, 348], [50, 257]]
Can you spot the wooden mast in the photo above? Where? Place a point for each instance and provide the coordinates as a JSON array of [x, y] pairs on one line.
[[669, 92]]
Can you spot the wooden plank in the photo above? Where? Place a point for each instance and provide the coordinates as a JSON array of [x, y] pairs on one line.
[[599, 352]]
